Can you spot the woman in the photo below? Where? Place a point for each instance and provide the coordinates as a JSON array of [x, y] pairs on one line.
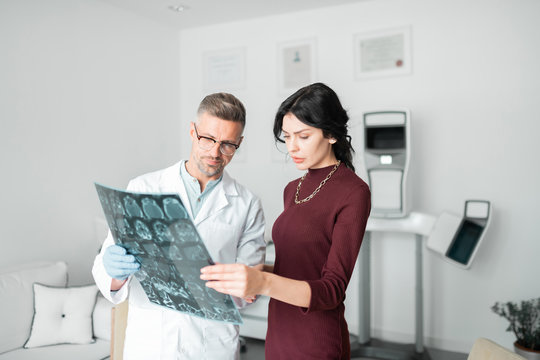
[[317, 237]]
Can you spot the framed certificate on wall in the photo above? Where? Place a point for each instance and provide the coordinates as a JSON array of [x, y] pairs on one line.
[[224, 69], [383, 53], [296, 65]]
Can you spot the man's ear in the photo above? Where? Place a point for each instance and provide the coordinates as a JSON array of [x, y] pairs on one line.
[[192, 130]]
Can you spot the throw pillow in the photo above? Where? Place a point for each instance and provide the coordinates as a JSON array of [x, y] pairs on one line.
[[62, 315]]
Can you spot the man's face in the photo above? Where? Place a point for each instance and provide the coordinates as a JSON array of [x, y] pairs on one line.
[[212, 162]]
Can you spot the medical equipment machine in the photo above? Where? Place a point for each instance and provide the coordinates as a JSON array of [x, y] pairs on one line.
[[386, 158], [458, 238]]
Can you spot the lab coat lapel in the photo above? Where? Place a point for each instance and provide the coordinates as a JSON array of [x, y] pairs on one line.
[[171, 182], [217, 199]]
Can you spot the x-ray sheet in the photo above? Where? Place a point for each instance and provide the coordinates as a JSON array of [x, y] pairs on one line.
[[157, 230]]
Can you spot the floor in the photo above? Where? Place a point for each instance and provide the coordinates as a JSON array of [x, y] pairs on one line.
[[254, 350]]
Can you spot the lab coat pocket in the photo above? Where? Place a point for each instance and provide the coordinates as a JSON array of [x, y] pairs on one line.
[[221, 341]]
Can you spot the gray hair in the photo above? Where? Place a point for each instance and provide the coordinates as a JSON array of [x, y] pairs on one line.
[[223, 106]]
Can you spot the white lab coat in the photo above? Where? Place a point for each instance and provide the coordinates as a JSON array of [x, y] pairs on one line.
[[231, 224]]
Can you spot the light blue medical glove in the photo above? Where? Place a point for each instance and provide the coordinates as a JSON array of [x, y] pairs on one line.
[[118, 263]]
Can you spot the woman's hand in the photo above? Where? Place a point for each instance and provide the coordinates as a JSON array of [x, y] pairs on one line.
[[235, 279]]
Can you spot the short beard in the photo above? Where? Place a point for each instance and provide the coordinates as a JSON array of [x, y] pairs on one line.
[[210, 171]]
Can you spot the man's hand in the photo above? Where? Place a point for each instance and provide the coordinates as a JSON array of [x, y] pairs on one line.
[[118, 263]]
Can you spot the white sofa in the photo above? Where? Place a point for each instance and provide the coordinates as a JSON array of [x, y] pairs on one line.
[[17, 312]]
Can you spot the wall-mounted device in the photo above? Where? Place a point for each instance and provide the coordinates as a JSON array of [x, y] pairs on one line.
[[458, 238], [386, 157]]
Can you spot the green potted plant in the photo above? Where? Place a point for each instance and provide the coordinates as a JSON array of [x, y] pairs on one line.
[[524, 318]]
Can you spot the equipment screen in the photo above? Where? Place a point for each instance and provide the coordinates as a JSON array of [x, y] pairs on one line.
[[465, 242], [388, 137]]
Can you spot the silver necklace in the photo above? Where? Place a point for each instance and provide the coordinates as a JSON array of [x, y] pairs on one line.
[[296, 201]]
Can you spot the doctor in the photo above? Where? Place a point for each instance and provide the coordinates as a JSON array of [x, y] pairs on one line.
[[230, 221]]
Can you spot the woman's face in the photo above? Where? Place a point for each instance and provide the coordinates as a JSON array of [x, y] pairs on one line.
[[306, 145]]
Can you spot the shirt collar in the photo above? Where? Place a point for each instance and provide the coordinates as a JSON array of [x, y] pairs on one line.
[[193, 183]]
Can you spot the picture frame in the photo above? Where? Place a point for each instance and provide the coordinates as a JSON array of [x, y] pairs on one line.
[[297, 64], [383, 53], [224, 69]]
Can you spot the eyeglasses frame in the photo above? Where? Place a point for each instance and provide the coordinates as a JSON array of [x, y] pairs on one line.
[[199, 137]]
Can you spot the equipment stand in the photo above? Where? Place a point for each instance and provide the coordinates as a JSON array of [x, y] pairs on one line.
[[364, 346]]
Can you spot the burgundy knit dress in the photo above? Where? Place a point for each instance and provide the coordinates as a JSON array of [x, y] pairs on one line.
[[318, 242]]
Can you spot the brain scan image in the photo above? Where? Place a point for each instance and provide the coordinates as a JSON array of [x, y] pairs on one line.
[[151, 249], [194, 252], [132, 208], [167, 301], [211, 314], [163, 270], [160, 285], [190, 309], [130, 231], [164, 291], [184, 231], [142, 230], [157, 230], [215, 296], [151, 294], [150, 267], [103, 197], [177, 289], [174, 252], [133, 247], [196, 290], [228, 316], [174, 209], [116, 205], [217, 313], [141, 275], [120, 225], [151, 209], [162, 232], [124, 227]]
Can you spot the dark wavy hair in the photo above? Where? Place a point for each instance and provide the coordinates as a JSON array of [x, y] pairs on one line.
[[318, 106]]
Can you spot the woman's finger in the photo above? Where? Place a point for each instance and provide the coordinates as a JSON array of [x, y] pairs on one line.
[[230, 276], [221, 268], [227, 287]]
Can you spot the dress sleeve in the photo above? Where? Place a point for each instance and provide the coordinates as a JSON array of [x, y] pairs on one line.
[[347, 235]]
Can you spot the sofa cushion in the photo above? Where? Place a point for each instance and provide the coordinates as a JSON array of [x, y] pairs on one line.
[[102, 318], [96, 351], [62, 315], [17, 298]]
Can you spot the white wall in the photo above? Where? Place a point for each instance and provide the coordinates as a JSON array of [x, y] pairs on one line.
[[85, 92], [85, 88], [473, 96]]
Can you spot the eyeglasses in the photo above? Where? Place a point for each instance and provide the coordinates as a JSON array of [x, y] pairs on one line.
[[207, 143]]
